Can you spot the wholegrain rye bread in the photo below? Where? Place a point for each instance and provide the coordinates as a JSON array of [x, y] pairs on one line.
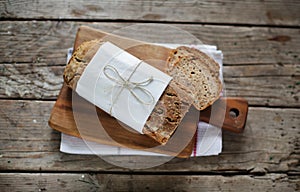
[[184, 51], [196, 70], [168, 111]]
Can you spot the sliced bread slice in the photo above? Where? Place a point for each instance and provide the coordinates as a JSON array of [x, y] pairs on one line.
[[198, 72]]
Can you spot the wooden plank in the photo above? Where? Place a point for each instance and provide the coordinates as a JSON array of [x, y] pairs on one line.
[[270, 143], [279, 87], [47, 41], [120, 182], [262, 70], [30, 81], [276, 12]]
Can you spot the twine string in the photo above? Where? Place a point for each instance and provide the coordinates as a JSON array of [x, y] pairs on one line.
[[129, 85]]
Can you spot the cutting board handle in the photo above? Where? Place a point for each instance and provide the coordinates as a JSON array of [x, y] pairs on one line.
[[230, 113]]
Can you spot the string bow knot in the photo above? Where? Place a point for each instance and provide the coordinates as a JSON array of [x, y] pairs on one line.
[[129, 85]]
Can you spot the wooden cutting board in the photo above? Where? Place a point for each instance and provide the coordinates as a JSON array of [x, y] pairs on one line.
[[232, 112], [182, 142]]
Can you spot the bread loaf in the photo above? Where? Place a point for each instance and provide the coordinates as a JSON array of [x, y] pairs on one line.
[[197, 71], [169, 110]]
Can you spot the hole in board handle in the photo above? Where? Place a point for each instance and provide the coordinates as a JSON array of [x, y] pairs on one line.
[[234, 113]]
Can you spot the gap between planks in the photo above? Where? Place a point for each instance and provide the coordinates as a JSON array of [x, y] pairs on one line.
[[154, 22]]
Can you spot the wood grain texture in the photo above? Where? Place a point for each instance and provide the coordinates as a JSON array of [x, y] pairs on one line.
[[276, 12], [261, 63], [30, 81], [117, 182], [267, 145], [279, 87], [47, 41]]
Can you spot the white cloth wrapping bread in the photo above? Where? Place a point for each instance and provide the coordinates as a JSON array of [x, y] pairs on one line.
[[208, 140]]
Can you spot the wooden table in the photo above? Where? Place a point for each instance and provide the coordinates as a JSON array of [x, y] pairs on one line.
[[261, 45]]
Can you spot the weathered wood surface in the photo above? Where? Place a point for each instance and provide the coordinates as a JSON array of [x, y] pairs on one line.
[[260, 41], [119, 182], [32, 81], [270, 85], [270, 143], [261, 64], [47, 41], [276, 12]]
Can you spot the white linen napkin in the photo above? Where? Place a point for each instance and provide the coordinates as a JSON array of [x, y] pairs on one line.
[[208, 140]]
